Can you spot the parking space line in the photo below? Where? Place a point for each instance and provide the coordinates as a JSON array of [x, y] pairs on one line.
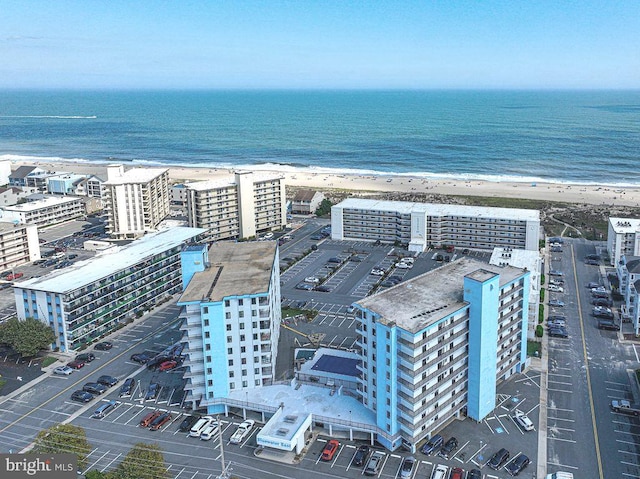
[[559, 390], [562, 465], [96, 462], [560, 439], [556, 428], [629, 452], [111, 462]]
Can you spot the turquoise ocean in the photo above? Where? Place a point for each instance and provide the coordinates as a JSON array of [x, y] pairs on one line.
[[590, 137]]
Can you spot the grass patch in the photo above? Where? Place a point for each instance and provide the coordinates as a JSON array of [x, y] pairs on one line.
[[2, 383], [534, 347], [48, 361], [290, 312]]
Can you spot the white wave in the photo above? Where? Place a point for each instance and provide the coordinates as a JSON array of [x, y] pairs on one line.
[[57, 117], [291, 169]]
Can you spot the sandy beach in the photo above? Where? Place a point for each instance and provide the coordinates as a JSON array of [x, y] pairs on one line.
[[568, 193]]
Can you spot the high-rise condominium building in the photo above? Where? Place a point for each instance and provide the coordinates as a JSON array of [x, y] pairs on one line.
[[231, 311], [238, 207], [136, 200], [438, 345]]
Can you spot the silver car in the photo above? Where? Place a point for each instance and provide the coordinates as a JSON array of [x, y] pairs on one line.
[[373, 466]]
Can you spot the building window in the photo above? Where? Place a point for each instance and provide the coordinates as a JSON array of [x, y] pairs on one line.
[[232, 385], [242, 337], [255, 347], [209, 371], [206, 322], [207, 334], [228, 327], [256, 371], [230, 362], [210, 382], [205, 310], [227, 303], [207, 347], [241, 325], [241, 314], [244, 384], [243, 349], [231, 374], [227, 315], [229, 339], [257, 382], [244, 360], [229, 350], [240, 302], [208, 359]]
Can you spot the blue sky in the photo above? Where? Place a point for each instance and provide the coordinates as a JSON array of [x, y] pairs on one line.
[[320, 44]]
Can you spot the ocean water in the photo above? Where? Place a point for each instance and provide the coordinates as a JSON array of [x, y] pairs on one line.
[[561, 136]]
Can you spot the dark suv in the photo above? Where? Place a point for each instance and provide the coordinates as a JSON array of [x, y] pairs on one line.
[[433, 444], [448, 448], [361, 455], [85, 357], [127, 387], [516, 466], [498, 459]]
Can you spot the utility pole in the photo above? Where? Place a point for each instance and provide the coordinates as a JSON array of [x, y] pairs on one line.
[[225, 469]]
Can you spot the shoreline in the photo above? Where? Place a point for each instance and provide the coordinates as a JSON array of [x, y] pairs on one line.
[[382, 183]]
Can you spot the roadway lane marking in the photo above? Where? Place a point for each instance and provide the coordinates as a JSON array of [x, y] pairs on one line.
[[560, 439]]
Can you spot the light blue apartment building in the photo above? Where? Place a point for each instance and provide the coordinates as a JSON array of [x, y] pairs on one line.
[[231, 320], [436, 347]]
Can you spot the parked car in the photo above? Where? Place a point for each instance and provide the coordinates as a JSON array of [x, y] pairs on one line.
[[209, 432], [602, 302], [516, 466], [330, 450], [556, 289], [127, 387], [103, 346], [593, 285], [440, 472], [81, 396], [149, 418], [403, 265], [63, 370], [312, 279], [355, 259], [104, 409], [168, 365], [15, 276], [406, 468], [304, 286], [160, 421], [558, 281], [94, 388], [377, 272], [76, 364], [85, 357], [243, 430], [323, 289], [361, 455], [433, 445], [141, 358], [498, 459], [457, 473], [556, 303], [523, 420], [107, 381], [555, 272], [474, 474], [187, 423], [374, 463], [158, 360], [152, 391], [387, 284], [449, 447], [316, 237], [608, 325], [592, 262]]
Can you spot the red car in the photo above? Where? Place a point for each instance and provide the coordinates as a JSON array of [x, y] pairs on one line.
[[11, 277], [457, 473], [330, 450], [167, 365], [76, 364]]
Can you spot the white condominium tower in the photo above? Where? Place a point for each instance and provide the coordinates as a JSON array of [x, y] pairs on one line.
[[136, 200]]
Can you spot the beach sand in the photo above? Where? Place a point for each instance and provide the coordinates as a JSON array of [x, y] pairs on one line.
[[568, 193]]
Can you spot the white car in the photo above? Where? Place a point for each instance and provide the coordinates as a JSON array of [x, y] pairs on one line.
[[63, 370], [403, 265], [243, 430], [268, 235], [408, 260], [556, 289], [523, 420], [210, 431], [312, 279], [377, 272]]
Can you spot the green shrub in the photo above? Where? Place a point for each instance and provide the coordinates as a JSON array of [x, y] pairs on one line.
[[542, 279], [541, 313], [539, 331], [542, 295]]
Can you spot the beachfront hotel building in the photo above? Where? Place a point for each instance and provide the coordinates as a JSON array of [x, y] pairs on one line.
[[435, 347], [424, 225], [45, 212], [231, 320], [623, 238], [91, 298], [18, 245], [241, 206], [136, 200]]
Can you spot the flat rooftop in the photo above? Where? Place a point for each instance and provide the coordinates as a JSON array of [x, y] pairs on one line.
[[234, 269], [418, 302], [8, 227], [136, 175], [625, 225], [334, 363], [230, 181], [43, 203], [110, 261], [433, 209]]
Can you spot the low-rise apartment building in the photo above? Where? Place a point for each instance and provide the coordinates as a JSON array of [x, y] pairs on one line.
[[306, 202], [238, 207], [436, 347], [18, 245], [46, 211], [136, 200], [231, 319], [91, 298], [628, 271], [424, 225]]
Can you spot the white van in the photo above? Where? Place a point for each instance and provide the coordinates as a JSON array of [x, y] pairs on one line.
[[198, 427], [209, 432], [523, 420], [440, 472]]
